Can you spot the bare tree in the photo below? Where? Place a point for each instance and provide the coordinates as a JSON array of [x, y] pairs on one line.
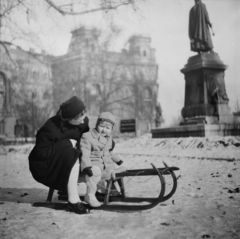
[[106, 71], [19, 18], [31, 104], [16, 17], [86, 7], [96, 78], [105, 80], [121, 86], [121, 82]]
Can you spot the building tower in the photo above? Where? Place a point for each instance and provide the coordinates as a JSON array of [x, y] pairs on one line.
[[139, 47], [146, 72], [83, 40]]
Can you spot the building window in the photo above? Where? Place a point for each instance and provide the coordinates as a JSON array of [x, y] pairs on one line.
[[144, 53]]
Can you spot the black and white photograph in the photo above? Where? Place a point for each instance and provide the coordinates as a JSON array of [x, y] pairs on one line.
[[119, 119]]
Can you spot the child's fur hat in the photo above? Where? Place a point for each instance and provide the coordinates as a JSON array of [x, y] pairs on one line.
[[106, 116]]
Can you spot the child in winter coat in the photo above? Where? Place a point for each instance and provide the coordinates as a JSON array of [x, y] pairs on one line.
[[98, 162]]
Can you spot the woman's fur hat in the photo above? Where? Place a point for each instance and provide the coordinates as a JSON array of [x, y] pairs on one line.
[[71, 108]]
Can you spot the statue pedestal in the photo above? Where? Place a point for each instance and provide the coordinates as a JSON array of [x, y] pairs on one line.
[[205, 91], [206, 111], [198, 130]]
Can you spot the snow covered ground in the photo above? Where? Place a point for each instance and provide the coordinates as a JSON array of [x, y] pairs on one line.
[[205, 205]]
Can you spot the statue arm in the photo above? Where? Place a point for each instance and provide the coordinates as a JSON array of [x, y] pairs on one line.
[[207, 20]]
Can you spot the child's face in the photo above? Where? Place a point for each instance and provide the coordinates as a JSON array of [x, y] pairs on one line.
[[104, 128]]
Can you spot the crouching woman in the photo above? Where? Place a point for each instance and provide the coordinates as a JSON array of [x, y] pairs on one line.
[[54, 160]]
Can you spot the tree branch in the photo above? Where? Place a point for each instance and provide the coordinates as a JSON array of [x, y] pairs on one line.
[[7, 51], [103, 8], [118, 100], [5, 43]]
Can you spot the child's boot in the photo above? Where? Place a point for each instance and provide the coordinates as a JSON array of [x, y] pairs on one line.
[[91, 182], [90, 197]]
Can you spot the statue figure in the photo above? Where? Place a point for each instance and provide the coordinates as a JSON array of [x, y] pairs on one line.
[[158, 117], [199, 24]]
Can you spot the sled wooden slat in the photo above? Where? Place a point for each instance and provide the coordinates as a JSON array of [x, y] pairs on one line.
[[146, 172]]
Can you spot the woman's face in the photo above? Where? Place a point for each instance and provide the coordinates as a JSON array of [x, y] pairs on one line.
[[104, 128], [79, 119]]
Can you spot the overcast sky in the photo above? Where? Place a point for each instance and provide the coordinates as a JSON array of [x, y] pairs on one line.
[[166, 22]]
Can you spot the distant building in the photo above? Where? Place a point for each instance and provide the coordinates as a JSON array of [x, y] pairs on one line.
[[124, 83], [25, 91], [32, 85]]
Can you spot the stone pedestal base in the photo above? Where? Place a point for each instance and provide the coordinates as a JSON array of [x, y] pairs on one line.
[[224, 116], [206, 111], [205, 91], [198, 130], [200, 120]]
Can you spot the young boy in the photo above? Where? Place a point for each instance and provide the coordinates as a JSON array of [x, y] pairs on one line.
[[98, 161]]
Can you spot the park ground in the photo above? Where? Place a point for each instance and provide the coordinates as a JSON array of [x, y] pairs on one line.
[[205, 205]]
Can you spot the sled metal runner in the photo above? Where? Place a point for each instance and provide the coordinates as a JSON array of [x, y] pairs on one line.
[[160, 172], [109, 201]]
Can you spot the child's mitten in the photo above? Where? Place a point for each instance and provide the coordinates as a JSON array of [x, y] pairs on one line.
[[88, 171], [119, 162]]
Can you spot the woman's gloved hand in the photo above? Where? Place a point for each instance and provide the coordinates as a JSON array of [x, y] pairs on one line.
[[88, 171]]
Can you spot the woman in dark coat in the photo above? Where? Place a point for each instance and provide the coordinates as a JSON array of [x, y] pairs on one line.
[[54, 160]]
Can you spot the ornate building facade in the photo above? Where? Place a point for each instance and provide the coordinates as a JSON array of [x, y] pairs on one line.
[[25, 91], [124, 83], [33, 85]]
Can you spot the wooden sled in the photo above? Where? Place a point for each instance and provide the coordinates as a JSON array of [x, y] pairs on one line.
[[107, 200]]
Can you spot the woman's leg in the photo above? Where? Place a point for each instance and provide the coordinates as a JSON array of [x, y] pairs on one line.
[[74, 202], [73, 196]]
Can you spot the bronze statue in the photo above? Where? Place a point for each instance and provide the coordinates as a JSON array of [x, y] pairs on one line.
[[158, 118], [199, 24]]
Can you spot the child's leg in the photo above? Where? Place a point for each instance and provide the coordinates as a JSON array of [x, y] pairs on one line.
[[91, 183], [101, 187], [114, 190]]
